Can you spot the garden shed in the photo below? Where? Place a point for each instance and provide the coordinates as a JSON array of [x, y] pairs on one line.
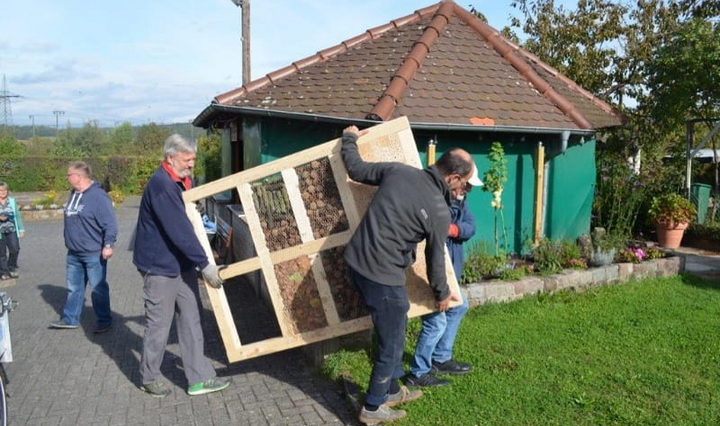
[[460, 83]]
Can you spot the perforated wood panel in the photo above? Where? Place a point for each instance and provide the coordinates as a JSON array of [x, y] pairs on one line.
[[301, 211]]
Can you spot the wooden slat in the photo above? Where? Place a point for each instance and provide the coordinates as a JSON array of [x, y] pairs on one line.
[[240, 268], [323, 286], [346, 195], [314, 246], [218, 299], [268, 269], [408, 144], [292, 186], [269, 346]]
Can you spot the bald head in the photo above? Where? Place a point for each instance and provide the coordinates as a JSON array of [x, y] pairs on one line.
[[455, 161]]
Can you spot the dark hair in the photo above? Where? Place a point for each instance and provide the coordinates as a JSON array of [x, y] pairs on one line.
[[453, 162]]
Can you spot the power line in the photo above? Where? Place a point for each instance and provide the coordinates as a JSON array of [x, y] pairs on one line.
[[5, 97], [57, 116]]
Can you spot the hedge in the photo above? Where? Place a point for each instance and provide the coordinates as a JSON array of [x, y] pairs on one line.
[[127, 173]]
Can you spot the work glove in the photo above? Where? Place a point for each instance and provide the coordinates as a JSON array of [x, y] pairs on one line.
[[211, 274]]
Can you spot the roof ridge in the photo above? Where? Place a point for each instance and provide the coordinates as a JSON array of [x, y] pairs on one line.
[[506, 50], [382, 111], [321, 56], [565, 79]]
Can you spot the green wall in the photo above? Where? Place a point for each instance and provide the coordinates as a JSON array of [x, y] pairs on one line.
[[518, 194], [571, 190], [570, 177]]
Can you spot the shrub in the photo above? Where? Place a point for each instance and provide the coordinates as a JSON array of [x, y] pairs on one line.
[[117, 196], [481, 264], [548, 257]]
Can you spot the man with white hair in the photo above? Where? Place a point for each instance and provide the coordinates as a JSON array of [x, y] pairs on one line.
[[167, 254]]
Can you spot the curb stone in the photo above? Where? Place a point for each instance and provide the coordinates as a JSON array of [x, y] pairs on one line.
[[571, 279]]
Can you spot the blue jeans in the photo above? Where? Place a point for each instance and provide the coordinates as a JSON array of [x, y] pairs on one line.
[[82, 269], [388, 306], [437, 337]]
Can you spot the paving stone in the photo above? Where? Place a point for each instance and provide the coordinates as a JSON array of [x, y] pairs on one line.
[[72, 377]]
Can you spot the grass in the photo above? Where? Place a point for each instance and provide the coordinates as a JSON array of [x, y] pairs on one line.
[[641, 353]]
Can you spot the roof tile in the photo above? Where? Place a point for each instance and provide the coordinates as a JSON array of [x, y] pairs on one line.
[[438, 65]]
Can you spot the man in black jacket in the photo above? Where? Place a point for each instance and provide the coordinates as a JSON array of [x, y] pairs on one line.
[[409, 206]]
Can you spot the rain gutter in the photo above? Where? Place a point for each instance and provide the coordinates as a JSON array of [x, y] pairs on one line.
[[204, 116]]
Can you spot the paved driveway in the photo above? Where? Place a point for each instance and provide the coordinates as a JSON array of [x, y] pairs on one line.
[[72, 377]]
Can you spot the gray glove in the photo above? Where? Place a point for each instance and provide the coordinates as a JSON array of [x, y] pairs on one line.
[[211, 274]]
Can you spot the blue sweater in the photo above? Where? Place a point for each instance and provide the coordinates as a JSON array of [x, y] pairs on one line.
[[461, 216], [165, 241], [90, 222]]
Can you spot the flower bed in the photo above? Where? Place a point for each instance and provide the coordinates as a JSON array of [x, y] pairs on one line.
[[572, 279]]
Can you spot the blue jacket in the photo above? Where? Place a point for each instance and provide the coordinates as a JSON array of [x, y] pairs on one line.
[[165, 241], [461, 216], [90, 222]]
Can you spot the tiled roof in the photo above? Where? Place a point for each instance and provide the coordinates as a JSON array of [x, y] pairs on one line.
[[440, 65]]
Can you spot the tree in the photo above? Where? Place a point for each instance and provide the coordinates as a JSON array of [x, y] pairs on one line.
[[150, 139], [121, 138], [685, 74], [209, 157], [10, 147], [91, 140], [601, 45]]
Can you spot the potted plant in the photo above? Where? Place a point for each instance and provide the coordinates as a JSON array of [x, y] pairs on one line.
[[671, 214], [604, 246]]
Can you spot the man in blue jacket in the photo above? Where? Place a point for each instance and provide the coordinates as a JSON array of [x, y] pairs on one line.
[[166, 254], [434, 348], [90, 234], [410, 205]]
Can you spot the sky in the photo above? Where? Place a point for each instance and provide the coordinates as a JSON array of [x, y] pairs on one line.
[[158, 61]]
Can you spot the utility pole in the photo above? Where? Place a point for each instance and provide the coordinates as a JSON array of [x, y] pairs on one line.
[[5, 97], [57, 126], [32, 119], [245, 38]]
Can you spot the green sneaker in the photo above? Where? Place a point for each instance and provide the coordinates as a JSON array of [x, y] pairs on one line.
[[156, 389], [213, 384]]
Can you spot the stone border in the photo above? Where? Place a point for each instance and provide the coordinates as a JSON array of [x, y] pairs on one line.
[[572, 279], [33, 215]]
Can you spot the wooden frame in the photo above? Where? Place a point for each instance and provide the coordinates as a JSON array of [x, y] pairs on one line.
[[390, 141]]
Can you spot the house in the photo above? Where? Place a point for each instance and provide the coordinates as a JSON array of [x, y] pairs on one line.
[[460, 83]]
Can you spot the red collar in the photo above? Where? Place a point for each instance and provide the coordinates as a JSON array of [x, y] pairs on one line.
[[186, 181]]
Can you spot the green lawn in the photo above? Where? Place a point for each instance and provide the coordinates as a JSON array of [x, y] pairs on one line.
[[641, 353]]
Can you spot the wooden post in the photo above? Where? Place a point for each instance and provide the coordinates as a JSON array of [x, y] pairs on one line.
[[431, 152], [539, 192]]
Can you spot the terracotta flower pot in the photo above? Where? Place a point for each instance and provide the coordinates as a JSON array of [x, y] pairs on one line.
[[670, 234]]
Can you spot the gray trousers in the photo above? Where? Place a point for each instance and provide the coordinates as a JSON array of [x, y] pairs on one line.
[[165, 297]]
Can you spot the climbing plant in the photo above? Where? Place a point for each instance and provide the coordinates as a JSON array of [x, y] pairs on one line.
[[494, 180]]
